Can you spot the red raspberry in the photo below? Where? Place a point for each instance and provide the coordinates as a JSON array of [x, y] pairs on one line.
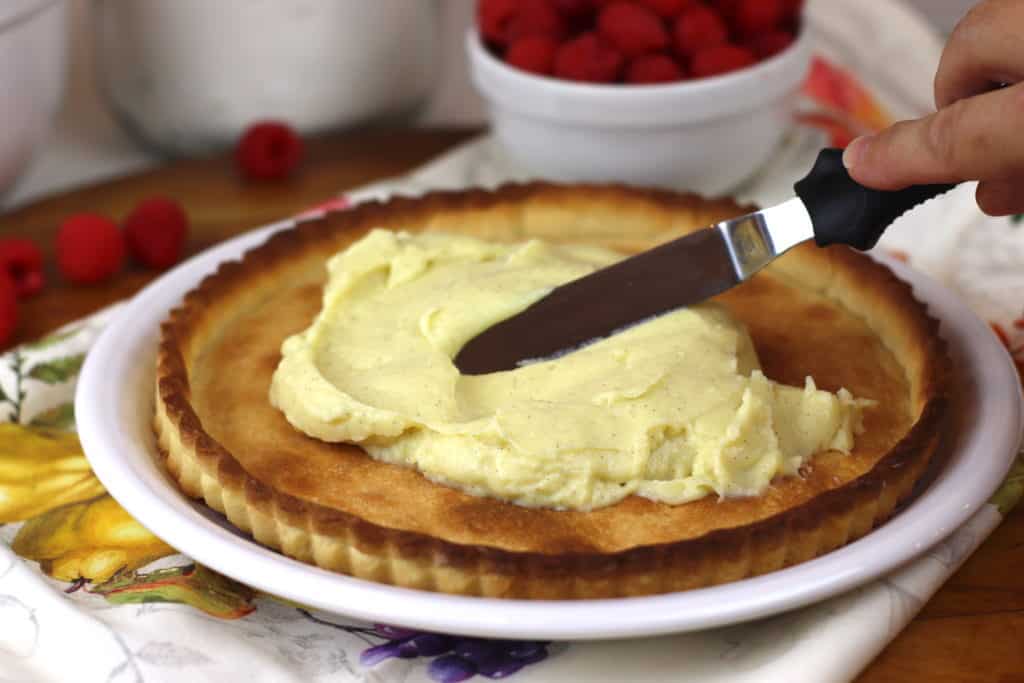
[[668, 8], [726, 8], [535, 54], [721, 59], [587, 58], [155, 232], [21, 259], [573, 8], [89, 248], [792, 9], [698, 29], [8, 308], [268, 150], [755, 17], [493, 17], [536, 18], [770, 44], [633, 29], [653, 69]]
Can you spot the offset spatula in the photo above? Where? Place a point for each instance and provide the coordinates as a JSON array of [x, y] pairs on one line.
[[830, 208]]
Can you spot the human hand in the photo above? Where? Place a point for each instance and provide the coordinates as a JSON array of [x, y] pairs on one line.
[[977, 132]]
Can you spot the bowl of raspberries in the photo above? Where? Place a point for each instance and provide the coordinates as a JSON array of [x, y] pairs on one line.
[[686, 94]]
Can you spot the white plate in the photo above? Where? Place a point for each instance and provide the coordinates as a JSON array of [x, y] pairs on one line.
[[114, 404]]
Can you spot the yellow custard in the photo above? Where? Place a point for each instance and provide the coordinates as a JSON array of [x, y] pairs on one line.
[[673, 409]]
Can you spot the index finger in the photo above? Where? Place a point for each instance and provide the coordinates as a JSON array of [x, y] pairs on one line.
[[977, 138]]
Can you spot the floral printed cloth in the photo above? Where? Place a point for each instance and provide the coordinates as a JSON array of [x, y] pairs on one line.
[[87, 594]]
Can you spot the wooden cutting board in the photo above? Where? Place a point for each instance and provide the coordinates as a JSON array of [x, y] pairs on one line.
[[972, 630], [219, 203]]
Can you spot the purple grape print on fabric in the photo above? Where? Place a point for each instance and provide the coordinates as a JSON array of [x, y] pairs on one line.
[[456, 658]]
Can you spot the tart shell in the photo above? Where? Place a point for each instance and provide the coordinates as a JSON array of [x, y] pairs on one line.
[[448, 541]]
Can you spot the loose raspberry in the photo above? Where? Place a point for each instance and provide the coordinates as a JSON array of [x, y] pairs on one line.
[[587, 58], [89, 248], [668, 8], [536, 18], [535, 54], [8, 308], [155, 232], [22, 260], [755, 17], [653, 69], [698, 29], [633, 29], [770, 44], [268, 150], [493, 17], [721, 59]]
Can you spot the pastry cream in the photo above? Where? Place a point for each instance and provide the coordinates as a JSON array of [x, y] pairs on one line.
[[672, 409]]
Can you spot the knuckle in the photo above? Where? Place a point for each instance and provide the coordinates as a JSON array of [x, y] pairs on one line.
[[980, 51], [988, 12], [954, 69], [945, 133], [977, 19]]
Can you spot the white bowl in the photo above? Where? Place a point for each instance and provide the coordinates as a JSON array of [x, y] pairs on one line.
[[704, 135], [33, 43]]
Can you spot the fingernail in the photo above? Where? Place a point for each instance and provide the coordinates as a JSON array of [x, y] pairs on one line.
[[854, 153]]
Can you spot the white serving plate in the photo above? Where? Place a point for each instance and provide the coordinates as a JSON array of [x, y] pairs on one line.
[[114, 407]]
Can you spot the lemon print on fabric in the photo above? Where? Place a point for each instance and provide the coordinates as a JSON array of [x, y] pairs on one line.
[[90, 540], [41, 470]]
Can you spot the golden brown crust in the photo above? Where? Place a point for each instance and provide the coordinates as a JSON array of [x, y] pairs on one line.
[[497, 549]]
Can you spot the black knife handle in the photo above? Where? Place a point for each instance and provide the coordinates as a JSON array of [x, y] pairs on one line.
[[845, 212]]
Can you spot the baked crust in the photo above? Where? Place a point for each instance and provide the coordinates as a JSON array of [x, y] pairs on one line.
[[831, 313]]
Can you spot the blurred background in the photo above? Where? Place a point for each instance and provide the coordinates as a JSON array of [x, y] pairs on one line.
[[112, 119]]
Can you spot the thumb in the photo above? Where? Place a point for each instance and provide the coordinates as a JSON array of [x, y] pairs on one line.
[[977, 138]]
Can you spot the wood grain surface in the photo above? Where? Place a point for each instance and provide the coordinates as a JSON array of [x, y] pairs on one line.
[[971, 631], [219, 204]]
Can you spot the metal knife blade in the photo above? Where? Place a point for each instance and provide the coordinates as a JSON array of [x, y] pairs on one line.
[[676, 274]]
